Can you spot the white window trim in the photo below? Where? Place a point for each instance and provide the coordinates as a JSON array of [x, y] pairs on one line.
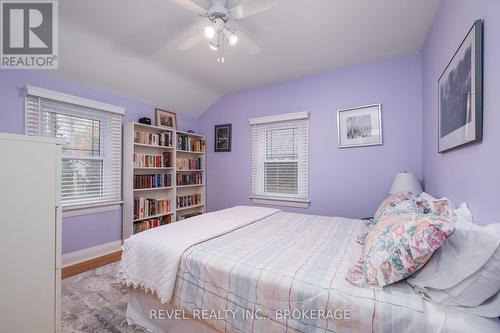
[[91, 208], [274, 201], [88, 207], [279, 117], [60, 97], [278, 200]]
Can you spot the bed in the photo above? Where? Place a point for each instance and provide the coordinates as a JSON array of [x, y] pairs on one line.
[[254, 269]]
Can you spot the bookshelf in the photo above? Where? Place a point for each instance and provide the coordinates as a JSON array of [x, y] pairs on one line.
[[163, 176]]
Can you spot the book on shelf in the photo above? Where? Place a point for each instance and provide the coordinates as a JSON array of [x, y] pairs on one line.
[[185, 142], [188, 164], [153, 161], [163, 139], [186, 216], [152, 223], [195, 178], [145, 207], [188, 200], [152, 181]]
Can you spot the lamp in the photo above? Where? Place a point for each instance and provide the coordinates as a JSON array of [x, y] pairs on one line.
[[405, 182]]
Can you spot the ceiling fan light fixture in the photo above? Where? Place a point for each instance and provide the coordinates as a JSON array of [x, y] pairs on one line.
[[233, 39], [230, 36], [213, 46], [210, 32]]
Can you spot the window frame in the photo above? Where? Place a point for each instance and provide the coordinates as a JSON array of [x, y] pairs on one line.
[[103, 149], [281, 199], [91, 207]]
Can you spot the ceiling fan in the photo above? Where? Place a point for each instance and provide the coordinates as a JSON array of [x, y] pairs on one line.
[[215, 24]]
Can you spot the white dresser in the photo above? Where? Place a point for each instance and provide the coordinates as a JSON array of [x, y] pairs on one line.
[[30, 234]]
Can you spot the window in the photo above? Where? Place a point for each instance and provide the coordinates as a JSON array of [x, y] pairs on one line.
[[280, 159], [91, 155]]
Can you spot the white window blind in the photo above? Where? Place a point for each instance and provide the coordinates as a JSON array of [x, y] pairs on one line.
[[91, 166], [280, 157]]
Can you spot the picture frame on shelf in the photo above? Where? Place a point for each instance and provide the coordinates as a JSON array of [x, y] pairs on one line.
[[460, 106], [222, 138], [359, 126], [165, 119]]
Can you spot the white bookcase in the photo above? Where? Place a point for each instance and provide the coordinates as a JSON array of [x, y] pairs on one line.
[[171, 193]]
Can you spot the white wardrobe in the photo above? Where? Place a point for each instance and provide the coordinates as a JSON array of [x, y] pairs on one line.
[[30, 234]]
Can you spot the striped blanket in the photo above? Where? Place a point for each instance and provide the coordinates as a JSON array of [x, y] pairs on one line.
[[286, 273]]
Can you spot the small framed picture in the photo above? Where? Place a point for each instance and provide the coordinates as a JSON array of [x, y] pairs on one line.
[[166, 119], [360, 126], [222, 138]]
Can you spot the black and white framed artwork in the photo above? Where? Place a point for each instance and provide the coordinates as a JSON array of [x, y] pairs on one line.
[[461, 94], [360, 126]]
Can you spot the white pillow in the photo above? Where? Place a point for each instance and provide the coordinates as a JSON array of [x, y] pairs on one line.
[[426, 196], [482, 284], [464, 215], [462, 272], [490, 308]]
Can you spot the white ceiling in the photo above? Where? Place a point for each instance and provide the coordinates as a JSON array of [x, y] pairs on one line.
[[123, 45]]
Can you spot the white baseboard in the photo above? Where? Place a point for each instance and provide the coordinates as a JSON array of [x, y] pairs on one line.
[[76, 257]]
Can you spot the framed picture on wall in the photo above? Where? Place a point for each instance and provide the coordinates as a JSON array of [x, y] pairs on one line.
[[222, 142], [360, 126], [461, 94], [166, 119]]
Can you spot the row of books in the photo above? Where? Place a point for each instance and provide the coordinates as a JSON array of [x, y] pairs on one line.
[[153, 223], [144, 207], [189, 164], [185, 142], [190, 179], [188, 200], [153, 161], [186, 216], [152, 181], [154, 139]]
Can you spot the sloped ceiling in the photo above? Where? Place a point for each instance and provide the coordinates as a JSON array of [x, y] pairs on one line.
[[125, 46]]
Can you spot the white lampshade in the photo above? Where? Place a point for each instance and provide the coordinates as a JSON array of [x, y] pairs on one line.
[[406, 182]]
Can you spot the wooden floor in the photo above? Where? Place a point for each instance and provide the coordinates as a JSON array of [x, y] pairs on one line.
[[90, 264]]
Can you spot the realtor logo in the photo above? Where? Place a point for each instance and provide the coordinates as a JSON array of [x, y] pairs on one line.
[[29, 34]]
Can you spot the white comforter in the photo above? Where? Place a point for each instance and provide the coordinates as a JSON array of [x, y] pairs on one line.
[[151, 258]]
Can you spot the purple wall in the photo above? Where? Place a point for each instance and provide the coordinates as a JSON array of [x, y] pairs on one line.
[[87, 230], [470, 174], [343, 182]]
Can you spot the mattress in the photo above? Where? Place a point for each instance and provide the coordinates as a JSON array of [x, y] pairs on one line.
[[289, 269], [286, 273], [437, 318]]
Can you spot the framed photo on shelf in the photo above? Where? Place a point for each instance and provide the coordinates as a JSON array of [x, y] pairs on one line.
[[359, 126], [166, 119], [461, 94], [222, 142]]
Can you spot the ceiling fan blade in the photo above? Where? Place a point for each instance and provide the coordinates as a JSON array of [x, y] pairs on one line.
[[191, 41], [251, 7], [247, 43], [191, 6], [189, 37]]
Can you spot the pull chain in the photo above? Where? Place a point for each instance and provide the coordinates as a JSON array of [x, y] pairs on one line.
[[220, 50]]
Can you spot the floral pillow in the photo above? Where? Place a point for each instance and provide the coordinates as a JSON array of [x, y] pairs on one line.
[[441, 207], [399, 245], [404, 202]]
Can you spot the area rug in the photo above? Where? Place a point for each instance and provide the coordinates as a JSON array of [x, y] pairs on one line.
[[95, 301]]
